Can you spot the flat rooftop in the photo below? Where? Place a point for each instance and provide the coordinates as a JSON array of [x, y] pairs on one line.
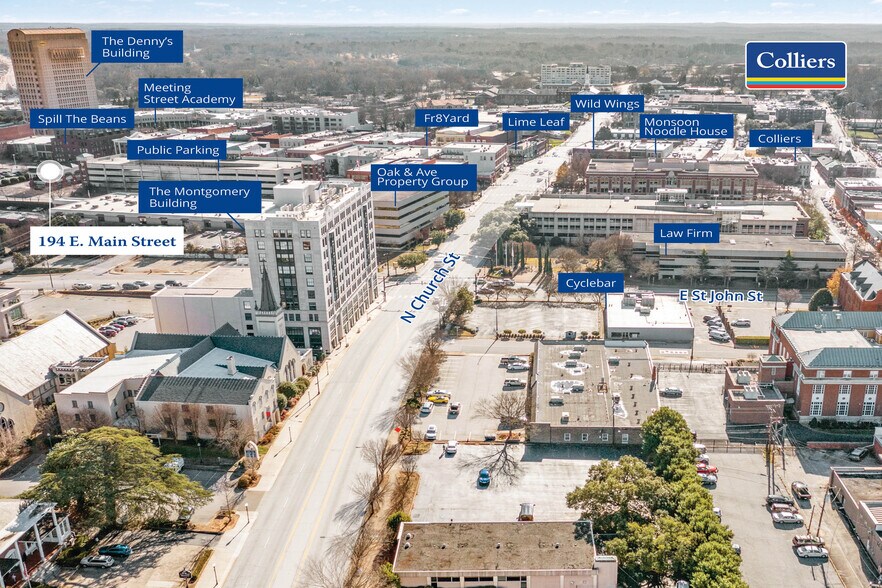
[[631, 379], [228, 277], [455, 547], [601, 166], [127, 203], [803, 341], [603, 205], [113, 372], [243, 164], [665, 311], [759, 243], [863, 483]]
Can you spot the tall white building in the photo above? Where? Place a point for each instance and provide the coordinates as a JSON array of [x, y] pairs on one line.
[[317, 247], [552, 74], [50, 67]]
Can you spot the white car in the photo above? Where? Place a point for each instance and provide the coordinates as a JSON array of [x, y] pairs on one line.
[[97, 561], [427, 407], [451, 447], [812, 551], [107, 287], [431, 433], [707, 479], [82, 286], [518, 367], [787, 518], [742, 322]]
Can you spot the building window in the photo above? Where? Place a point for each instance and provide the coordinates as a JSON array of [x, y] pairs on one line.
[[815, 409], [604, 437], [90, 404], [842, 406], [819, 374], [77, 417], [307, 257], [313, 306], [625, 438], [846, 374], [869, 405], [310, 294], [844, 389], [310, 282], [261, 245], [567, 437], [584, 436], [307, 246], [307, 269], [818, 389], [247, 316], [874, 374], [74, 404]]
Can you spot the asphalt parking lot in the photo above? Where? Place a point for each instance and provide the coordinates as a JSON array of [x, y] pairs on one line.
[[766, 549], [701, 404], [156, 559], [545, 475], [469, 378], [553, 319]]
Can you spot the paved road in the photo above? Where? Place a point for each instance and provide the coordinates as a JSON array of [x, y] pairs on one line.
[[310, 502]]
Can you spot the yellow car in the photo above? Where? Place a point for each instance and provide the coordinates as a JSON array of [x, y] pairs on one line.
[[439, 399]]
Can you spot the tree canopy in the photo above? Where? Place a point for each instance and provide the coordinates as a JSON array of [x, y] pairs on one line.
[[112, 476]]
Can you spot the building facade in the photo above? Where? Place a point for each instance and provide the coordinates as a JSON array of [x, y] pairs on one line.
[[318, 247], [311, 120], [830, 363], [50, 67], [12, 314], [855, 493], [861, 288], [723, 180]]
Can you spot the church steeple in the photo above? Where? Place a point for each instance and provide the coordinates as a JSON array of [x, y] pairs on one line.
[[267, 299]]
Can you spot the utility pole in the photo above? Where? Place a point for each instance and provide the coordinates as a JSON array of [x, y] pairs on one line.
[[823, 506]]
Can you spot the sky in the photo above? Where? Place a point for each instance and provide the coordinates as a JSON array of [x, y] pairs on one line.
[[438, 12]]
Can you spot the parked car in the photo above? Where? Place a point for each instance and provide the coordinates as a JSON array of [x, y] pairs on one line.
[[97, 561], [484, 478], [82, 286], [511, 359], [703, 468], [778, 499], [130, 286], [719, 512], [742, 322], [719, 338], [812, 551], [709, 317], [707, 479], [454, 408], [736, 548], [113, 327], [807, 540], [800, 490], [117, 549], [859, 453], [787, 518], [186, 514], [451, 447], [781, 507], [699, 447], [514, 383], [702, 458], [426, 408], [158, 286], [431, 433], [438, 399], [490, 436], [518, 367], [671, 392], [107, 287]]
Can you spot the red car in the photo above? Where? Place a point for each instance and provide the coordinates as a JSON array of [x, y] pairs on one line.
[[704, 468]]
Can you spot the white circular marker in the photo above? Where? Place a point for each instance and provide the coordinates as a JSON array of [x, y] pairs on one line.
[[50, 171]]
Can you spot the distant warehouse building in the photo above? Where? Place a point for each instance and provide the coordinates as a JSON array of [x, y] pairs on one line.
[[501, 554], [592, 393]]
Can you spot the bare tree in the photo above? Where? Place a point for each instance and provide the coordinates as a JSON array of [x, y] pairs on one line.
[[726, 271], [369, 491], [524, 293], [502, 459], [509, 408], [168, 418], [570, 259], [691, 272], [381, 455], [789, 296], [337, 566], [808, 275], [405, 417], [218, 420], [84, 420], [239, 433], [48, 423], [647, 270], [194, 421]]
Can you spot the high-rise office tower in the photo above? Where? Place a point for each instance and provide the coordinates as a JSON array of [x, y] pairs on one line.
[[50, 67]]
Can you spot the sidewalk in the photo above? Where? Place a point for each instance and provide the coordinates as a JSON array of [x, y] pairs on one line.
[[228, 546]]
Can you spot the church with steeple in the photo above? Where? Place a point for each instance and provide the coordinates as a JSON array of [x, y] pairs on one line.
[[269, 316]]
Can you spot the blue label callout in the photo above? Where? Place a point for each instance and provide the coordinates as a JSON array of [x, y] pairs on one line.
[[535, 121], [417, 177], [687, 126], [607, 103], [594, 282], [82, 118], [200, 149], [446, 117], [190, 92], [780, 138], [687, 232], [801, 65], [189, 197], [137, 46]]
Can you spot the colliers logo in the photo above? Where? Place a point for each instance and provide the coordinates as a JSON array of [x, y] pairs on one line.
[[785, 66]]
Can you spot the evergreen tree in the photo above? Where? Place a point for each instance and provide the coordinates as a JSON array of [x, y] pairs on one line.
[[787, 269], [704, 265]]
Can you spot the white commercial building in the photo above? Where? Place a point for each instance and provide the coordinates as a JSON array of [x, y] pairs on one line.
[[318, 249], [117, 172], [646, 316], [309, 120]]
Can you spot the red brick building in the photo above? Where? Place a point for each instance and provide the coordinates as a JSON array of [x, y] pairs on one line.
[[750, 395], [829, 363], [724, 180], [861, 288]]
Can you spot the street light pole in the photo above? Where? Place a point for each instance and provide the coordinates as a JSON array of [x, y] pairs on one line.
[[247, 515]]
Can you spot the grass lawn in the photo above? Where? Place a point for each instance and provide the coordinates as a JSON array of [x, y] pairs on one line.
[[191, 451]]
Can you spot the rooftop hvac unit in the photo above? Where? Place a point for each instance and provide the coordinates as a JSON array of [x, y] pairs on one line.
[[742, 377]]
